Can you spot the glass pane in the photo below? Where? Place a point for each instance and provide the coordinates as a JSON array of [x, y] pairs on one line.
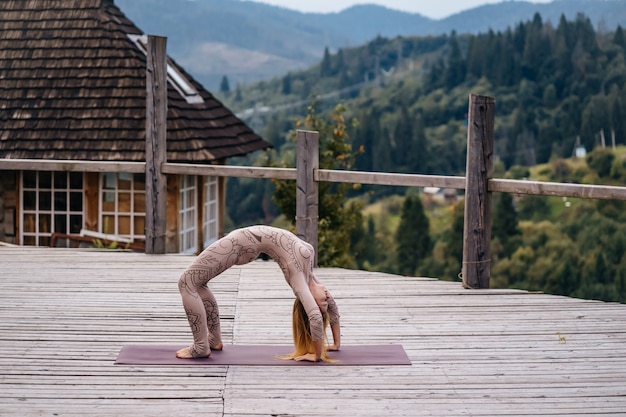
[[124, 181], [30, 200], [44, 223], [123, 202], [60, 223], [30, 180], [108, 201], [45, 200], [108, 181], [60, 201], [60, 180], [44, 240], [140, 181], [76, 201], [140, 225], [29, 223], [139, 203], [108, 225], [190, 199], [212, 211], [123, 225], [45, 179], [29, 240], [76, 223], [76, 180], [190, 219]]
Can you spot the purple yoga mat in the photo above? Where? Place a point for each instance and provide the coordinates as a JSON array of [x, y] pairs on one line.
[[262, 355]]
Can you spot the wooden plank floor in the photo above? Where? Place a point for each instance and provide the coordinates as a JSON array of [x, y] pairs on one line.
[[65, 314]]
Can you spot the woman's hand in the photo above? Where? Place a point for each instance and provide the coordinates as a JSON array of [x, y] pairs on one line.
[[307, 357]]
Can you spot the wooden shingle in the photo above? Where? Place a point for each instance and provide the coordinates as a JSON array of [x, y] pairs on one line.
[[73, 86]]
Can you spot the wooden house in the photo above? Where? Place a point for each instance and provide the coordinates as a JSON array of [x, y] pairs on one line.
[[73, 87]]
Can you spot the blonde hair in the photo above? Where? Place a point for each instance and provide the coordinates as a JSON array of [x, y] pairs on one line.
[[302, 339]]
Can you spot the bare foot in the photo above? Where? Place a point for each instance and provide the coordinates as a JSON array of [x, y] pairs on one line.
[[185, 353], [219, 346]]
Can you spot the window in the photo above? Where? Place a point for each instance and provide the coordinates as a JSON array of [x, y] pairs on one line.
[[188, 202], [123, 205], [52, 202], [211, 210], [174, 77]]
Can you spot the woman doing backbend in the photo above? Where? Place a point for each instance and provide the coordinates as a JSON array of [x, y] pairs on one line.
[[314, 307]]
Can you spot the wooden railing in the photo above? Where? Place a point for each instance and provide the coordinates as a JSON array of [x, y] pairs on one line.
[[479, 183]]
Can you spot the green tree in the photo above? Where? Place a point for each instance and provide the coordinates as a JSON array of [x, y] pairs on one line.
[[505, 224], [224, 85], [412, 236], [338, 218]]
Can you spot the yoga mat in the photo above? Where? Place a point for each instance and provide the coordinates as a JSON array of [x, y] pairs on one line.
[[262, 355]]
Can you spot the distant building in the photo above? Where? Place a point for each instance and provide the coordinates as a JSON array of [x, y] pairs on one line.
[[73, 82]]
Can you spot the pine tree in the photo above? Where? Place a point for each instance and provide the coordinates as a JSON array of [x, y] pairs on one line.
[[412, 236], [505, 223], [224, 85]]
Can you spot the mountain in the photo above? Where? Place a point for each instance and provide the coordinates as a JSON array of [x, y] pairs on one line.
[[249, 41]]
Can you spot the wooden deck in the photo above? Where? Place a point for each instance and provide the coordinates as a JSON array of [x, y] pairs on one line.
[[65, 314]]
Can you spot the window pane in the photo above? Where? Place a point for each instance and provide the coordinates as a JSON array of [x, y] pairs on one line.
[[108, 225], [76, 223], [76, 201], [45, 179], [45, 200], [123, 225], [60, 223], [30, 179], [60, 180], [140, 203], [140, 181], [140, 225], [44, 223], [124, 181], [29, 240], [108, 201], [30, 200], [44, 240], [60, 201], [29, 223], [123, 203], [76, 180], [108, 182]]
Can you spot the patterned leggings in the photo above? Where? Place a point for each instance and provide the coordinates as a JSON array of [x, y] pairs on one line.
[[201, 310]]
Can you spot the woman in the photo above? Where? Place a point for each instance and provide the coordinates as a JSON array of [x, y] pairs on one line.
[[295, 258]]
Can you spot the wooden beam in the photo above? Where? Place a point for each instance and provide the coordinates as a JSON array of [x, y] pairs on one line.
[[229, 171], [476, 266], [604, 192], [71, 166], [156, 155], [307, 199], [385, 178]]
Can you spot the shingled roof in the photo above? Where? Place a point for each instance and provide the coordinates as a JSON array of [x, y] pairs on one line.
[[73, 86]]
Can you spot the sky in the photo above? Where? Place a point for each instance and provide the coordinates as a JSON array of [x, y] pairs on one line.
[[435, 9]]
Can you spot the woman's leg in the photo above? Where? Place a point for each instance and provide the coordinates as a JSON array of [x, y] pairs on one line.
[[212, 316], [197, 299]]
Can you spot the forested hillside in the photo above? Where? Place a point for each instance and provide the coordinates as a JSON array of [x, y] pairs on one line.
[[556, 88]]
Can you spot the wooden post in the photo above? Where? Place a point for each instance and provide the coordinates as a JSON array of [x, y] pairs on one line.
[[156, 129], [307, 198], [476, 267]]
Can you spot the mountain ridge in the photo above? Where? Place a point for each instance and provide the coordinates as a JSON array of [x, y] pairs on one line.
[[248, 41]]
